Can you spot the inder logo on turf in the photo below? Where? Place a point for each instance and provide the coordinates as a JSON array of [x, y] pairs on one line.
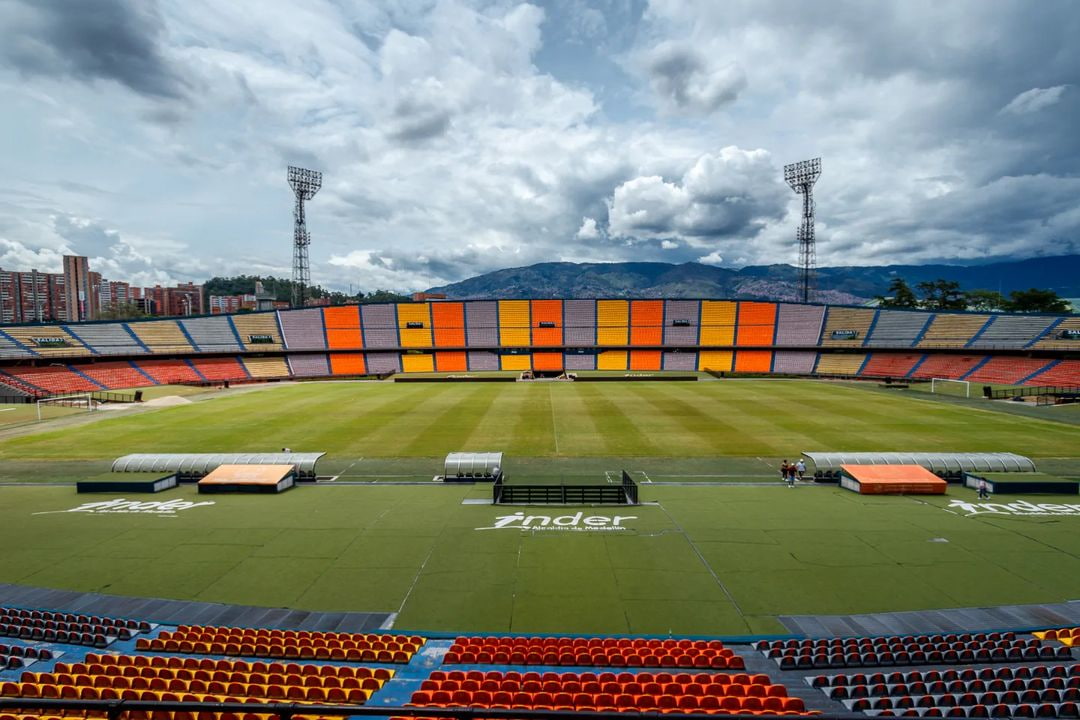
[[578, 522], [1020, 507], [124, 506]]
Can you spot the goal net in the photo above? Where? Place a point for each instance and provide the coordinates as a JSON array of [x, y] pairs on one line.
[[945, 386], [64, 405]]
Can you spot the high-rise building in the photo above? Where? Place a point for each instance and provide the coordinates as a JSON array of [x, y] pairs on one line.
[[80, 288], [114, 294], [31, 297]]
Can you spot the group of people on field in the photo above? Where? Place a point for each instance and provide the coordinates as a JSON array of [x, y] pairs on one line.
[[789, 473]]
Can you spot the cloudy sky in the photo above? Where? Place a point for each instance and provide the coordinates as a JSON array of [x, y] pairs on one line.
[[458, 137]]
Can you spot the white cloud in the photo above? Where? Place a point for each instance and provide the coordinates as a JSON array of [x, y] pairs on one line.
[[588, 229], [1034, 100], [684, 80]]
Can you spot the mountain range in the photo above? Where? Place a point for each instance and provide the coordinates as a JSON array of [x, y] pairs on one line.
[[846, 285]]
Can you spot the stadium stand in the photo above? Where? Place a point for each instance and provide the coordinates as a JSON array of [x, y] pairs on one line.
[[290, 644], [140, 677], [590, 651], [303, 329], [448, 321], [342, 363], [799, 325], [611, 360], [13, 657], [380, 326], [898, 328], [265, 367], [756, 324], [482, 325], [839, 363], [684, 692], [681, 322], [1025, 691], [167, 372], [847, 327], [343, 328], [575, 361], [949, 649], [950, 367], [794, 362], [684, 361], [580, 323], [514, 325], [13, 386], [379, 363], [547, 324], [1006, 370], [107, 338], [645, 360], [715, 360], [1057, 338], [897, 365], [517, 363], [549, 361], [161, 336], [47, 340], [116, 375], [612, 322], [753, 361], [1069, 636], [1066, 372], [646, 323], [718, 322], [952, 330], [308, 365], [68, 628], [224, 368], [259, 331], [212, 334], [53, 379], [451, 360], [1012, 331], [483, 360], [414, 325], [417, 362]]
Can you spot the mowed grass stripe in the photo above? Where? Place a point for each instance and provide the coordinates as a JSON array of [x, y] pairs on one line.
[[454, 423], [620, 433], [518, 422]]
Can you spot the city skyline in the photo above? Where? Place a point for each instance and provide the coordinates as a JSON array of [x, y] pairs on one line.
[[457, 138]]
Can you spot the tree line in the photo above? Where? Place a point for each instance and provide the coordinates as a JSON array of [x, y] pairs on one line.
[[281, 289], [947, 295]]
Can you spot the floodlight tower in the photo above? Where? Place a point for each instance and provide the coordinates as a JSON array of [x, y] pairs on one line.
[[305, 183], [801, 176]]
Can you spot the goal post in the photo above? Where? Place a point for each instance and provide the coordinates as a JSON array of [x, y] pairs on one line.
[[85, 403], [945, 386]]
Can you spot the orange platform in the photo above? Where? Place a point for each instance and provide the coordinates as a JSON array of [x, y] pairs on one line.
[[248, 478], [891, 480]]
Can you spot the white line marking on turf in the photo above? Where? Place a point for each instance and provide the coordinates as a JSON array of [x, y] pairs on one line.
[[7, 410], [647, 478], [554, 428]]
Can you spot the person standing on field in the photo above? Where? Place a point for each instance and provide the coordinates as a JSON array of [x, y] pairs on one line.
[[784, 471], [984, 489], [800, 468]]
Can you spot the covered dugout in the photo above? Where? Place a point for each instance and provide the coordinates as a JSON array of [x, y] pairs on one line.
[[828, 466], [193, 466], [473, 466]]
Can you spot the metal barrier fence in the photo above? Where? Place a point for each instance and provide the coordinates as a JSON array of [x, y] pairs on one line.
[[116, 709], [625, 493]]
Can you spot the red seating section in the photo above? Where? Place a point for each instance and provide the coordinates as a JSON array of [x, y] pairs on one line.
[[890, 364], [906, 650], [601, 652], [1066, 372], [1026, 691], [115, 375], [642, 692], [950, 367], [227, 368], [169, 371], [289, 644], [53, 378], [1007, 370]]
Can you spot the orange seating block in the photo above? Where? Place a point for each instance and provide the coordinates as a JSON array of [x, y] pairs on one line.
[[551, 361], [645, 359], [343, 327], [448, 320], [544, 312], [347, 364], [646, 323], [756, 323], [169, 371], [450, 361], [753, 361]]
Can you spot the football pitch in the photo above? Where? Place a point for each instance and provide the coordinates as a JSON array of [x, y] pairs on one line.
[[718, 546]]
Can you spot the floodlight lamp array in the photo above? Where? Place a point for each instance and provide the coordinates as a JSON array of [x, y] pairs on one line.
[[305, 183], [800, 174]]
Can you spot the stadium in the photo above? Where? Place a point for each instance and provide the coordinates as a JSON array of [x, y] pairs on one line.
[[630, 547]]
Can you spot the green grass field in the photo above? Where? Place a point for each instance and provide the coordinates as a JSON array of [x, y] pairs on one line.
[[719, 547]]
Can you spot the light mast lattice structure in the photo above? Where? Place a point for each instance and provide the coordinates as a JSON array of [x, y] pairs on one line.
[[801, 176], [305, 183]]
